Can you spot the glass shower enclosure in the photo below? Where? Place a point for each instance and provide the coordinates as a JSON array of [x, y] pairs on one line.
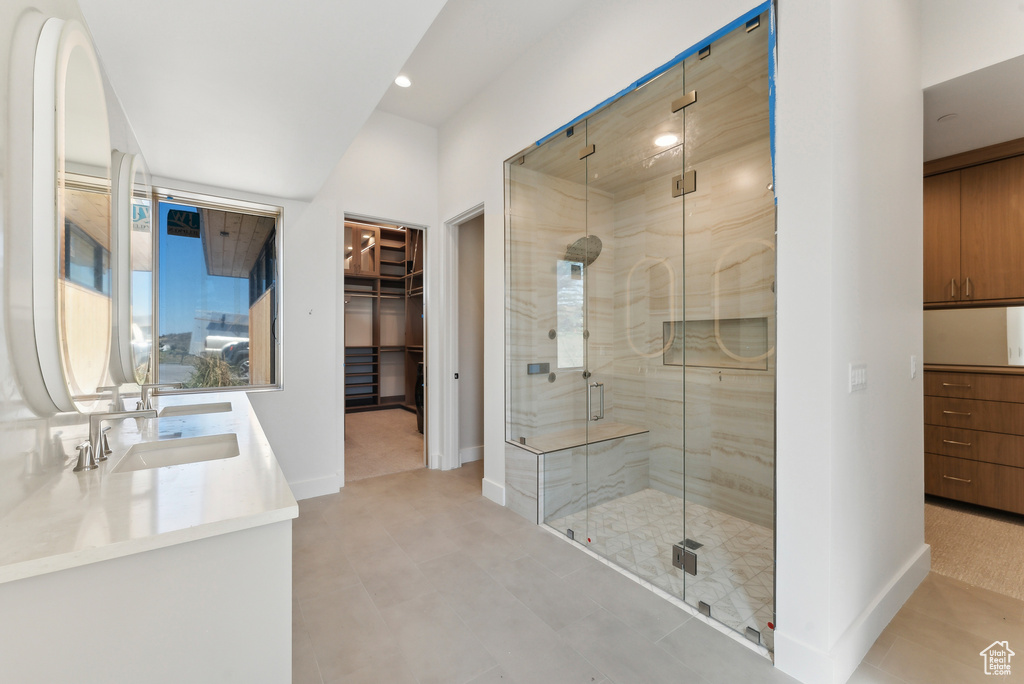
[[640, 266]]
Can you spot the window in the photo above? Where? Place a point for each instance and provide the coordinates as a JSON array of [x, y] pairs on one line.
[[217, 292], [569, 276]]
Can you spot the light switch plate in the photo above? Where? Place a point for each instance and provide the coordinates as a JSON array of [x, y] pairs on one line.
[[858, 377]]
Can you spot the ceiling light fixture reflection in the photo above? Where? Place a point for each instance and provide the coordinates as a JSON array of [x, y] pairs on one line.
[[666, 140], [403, 81]]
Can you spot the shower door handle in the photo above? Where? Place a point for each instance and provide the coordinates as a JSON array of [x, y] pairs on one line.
[[590, 403]]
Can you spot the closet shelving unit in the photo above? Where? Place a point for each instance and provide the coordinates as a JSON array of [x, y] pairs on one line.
[[383, 315]]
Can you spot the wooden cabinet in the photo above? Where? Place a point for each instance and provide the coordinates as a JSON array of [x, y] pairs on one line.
[[974, 438], [992, 230], [942, 238], [362, 249], [974, 234]]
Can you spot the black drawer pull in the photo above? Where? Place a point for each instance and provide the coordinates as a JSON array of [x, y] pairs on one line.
[[949, 441], [954, 384], [955, 479], [956, 413]]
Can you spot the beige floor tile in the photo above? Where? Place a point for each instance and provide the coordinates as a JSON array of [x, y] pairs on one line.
[[717, 658], [915, 663], [881, 647], [623, 654], [390, 577], [320, 569], [869, 674], [641, 609], [347, 632], [434, 642], [421, 540], [304, 667], [552, 599]]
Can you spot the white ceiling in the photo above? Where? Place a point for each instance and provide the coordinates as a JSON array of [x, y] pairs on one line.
[[256, 95], [989, 104], [469, 44]]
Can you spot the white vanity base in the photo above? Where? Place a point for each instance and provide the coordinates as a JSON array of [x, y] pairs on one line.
[[212, 610]]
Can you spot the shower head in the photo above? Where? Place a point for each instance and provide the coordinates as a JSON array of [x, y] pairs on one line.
[[586, 250]]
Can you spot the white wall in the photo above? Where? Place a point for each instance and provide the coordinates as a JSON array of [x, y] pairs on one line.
[[471, 339], [849, 465], [959, 37], [390, 172], [850, 514]]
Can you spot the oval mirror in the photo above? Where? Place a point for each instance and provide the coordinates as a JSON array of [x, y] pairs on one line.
[[133, 269], [84, 241]]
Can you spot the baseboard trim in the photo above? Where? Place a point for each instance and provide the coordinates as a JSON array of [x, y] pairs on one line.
[[493, 491], [321, 486], [808, 664], [470, 454]]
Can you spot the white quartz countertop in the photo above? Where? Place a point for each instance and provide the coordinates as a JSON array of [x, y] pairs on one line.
[[81, 518]]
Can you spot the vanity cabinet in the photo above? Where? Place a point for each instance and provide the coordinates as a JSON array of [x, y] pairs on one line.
[[974, 233], [974, 438]]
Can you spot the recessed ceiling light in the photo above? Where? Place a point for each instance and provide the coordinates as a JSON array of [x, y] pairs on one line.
[[403, 81], [666, 140], [947, 117]]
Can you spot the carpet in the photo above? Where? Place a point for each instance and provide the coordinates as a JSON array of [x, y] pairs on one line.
[[976, 545], [381, 443]]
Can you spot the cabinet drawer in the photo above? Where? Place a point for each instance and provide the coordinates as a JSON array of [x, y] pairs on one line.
[[987, 386], [984, 484], [991, 416], [975, 445]]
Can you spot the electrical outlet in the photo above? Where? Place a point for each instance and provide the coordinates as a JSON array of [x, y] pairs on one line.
[[858, 377]]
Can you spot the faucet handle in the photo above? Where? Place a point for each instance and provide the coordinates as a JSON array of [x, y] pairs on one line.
[[86, 460], [102, 455]]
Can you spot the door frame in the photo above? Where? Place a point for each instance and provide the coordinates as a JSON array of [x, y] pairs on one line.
[[449, 357]]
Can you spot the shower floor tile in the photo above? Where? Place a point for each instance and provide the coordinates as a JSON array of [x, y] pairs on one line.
[[735, 572]]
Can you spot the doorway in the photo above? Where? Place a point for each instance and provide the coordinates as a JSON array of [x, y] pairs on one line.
[[383, 353], [470, 360]]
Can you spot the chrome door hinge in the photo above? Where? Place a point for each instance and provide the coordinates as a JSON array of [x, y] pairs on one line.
[[684, 184], [685, 101]]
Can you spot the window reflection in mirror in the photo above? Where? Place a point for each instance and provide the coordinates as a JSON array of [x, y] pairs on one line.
[[217, 296], [142, 282], [83, 223], [569, 281]]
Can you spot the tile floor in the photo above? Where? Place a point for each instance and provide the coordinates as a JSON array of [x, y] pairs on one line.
[[735, 568], [415, 578]]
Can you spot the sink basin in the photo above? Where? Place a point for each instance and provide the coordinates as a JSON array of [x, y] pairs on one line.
[[195, 409], [169, 452]]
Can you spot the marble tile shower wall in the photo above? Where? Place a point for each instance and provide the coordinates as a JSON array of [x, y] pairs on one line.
[[548, 214]]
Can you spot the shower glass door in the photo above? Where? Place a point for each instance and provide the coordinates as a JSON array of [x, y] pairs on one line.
[[641, 330], [635, 313], [730, 334], [547, 251]]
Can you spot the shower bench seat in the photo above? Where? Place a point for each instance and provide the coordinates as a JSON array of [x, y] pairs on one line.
[[524, 472]]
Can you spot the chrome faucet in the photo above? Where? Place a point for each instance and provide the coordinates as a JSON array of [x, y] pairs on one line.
[[115, 396], [97, 440], [146, 402]]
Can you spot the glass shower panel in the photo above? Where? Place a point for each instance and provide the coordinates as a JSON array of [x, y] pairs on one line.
[[728, 340], [634, 288], [546, 309]]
